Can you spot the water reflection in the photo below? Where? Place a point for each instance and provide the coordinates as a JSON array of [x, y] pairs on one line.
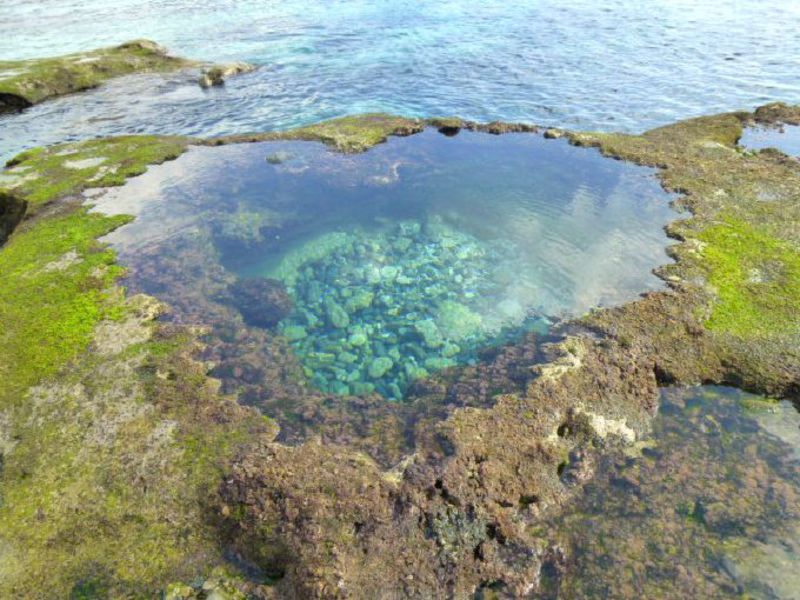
[[785, 138], [399, 262]]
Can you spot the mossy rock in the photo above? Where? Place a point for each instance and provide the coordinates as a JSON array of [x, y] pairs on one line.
[[27, 82]]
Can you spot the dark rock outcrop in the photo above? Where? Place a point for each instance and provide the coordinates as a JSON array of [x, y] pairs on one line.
[[262, 302]]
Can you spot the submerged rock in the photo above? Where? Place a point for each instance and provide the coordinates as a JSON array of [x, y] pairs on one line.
[[337, 315], [406, 296], [280, 157], [262, 302], [27, 82], [216, 76], [380, 366]]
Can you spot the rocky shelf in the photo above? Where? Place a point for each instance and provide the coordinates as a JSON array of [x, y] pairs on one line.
[[25, 83], [126, 470]]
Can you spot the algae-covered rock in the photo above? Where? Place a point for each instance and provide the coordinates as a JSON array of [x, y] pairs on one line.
[[346, 134], [280, 157], [457, 321], [380, 366], [360, 300], [430, 333], [27, 82], [288, 268], [357, 337], [242, 229], [294, 333], [337, 316]]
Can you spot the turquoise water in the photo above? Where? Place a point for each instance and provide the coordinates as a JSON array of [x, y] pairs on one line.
[[707, 507], [621, 65], [401, 261]]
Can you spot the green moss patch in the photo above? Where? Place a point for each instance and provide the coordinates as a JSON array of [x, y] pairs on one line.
[[756, 277], [115, 463], [42, 175], [54, 291]]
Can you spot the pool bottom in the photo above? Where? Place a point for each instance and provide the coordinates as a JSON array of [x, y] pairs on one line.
[[375, 311]]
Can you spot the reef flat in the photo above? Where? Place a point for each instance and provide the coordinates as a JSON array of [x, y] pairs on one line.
[[125, 470], [27, 82]]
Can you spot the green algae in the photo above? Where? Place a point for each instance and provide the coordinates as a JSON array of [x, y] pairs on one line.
[[111, 472], [346, 134], [50, 309], [111, 443], [27, 82], [56, 280], [731, 314], [42, 175], [107, 469], [756, 277]]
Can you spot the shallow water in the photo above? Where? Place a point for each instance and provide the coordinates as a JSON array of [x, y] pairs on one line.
[[621, 65], [710, 507], [785, 139], [398, 262]]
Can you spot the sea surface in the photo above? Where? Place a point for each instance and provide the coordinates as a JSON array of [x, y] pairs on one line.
[[619, 65]]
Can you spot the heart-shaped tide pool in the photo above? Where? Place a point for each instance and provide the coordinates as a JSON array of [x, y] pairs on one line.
[[379, 269]]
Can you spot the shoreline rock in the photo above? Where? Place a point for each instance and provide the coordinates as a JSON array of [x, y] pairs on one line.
[[24, 83], [217, 75]]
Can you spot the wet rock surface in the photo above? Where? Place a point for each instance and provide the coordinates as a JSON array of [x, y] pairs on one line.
[[12, 210], [483, 481], [28, 82], [216, 76], [458, 491]]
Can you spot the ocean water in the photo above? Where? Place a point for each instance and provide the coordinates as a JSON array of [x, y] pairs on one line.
[[707, 507], [398, 262], [618, 65]]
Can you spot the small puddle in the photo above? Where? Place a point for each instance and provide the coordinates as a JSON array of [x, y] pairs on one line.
[[363, 274], [785, 138], [709, 509]]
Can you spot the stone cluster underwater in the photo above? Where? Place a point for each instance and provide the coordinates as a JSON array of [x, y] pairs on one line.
[[375, 311]]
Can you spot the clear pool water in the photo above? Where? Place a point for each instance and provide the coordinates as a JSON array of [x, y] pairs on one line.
[[621, 65], [709, 507], [398, 262]]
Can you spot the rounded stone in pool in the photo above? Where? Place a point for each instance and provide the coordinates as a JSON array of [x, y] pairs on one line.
[[404, 260]]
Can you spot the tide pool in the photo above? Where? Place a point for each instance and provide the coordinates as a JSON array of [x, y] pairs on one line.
[[382, 268]]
